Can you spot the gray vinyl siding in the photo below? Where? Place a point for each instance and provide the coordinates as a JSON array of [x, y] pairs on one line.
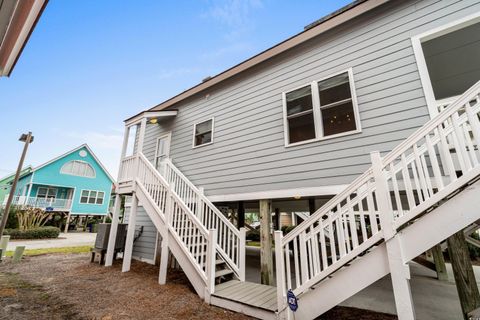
[[248, 153], [144, 247]]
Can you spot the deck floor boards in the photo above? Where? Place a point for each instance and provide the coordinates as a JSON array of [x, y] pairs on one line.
[[252, 294]]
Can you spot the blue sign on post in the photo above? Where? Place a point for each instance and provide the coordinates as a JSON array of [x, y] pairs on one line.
[[292, 300]]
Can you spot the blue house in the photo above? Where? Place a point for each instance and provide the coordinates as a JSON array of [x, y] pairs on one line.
[[75, 183]]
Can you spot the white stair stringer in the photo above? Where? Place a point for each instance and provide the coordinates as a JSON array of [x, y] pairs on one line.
[[181, 257], [192, 245], [415, 238]]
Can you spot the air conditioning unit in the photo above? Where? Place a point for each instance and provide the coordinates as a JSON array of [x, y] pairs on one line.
[[103, 234]]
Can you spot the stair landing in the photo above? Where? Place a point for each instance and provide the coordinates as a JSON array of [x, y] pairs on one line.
[[257, 298]]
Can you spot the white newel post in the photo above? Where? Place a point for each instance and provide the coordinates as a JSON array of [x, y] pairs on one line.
[[211, 257], [132, 218], [399, 271], [243, 237], [200, 204], [162, 275], [113, 231], [279, 270], [141, 135]]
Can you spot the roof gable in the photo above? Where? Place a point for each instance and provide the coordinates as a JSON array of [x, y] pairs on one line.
[[79, 148]]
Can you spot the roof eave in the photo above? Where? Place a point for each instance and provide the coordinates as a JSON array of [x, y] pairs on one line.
[[350, 12]]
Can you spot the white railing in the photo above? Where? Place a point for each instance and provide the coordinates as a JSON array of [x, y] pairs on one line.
[[42, 203], [436, 160], [444, 103], [127, 169], [191, 234], [230, 240]]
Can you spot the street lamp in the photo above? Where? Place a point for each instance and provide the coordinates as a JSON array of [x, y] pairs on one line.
[[27, 139]]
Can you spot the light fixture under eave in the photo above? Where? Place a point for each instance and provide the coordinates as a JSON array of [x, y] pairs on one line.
[[153, 120], [297, 197]]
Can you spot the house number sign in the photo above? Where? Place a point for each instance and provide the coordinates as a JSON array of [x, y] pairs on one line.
[[292, 300]]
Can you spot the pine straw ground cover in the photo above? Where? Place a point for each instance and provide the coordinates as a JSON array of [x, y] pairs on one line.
[[68, 286]]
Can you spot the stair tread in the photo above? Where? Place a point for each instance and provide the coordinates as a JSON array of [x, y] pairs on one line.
[[223, 272], [248, 293]]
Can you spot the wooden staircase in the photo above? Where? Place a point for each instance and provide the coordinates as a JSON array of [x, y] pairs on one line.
[[417, 195]]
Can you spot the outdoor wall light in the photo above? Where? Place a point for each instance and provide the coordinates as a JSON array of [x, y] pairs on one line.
[[153, 120]]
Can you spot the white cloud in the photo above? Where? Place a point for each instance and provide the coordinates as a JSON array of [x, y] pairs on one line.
[[235, 18], [233, 13]]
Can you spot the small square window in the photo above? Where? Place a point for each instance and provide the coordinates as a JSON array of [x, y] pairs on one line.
[[203, 133]]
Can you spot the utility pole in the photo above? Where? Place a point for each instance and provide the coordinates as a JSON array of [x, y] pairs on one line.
[[27, 139]]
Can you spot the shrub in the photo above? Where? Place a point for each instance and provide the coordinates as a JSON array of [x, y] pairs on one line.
[[32, 218], [12, 221], [36, 233], [253, 235]]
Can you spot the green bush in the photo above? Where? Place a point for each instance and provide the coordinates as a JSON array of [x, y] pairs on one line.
[[36, 233], [12, 222], [253, 235]]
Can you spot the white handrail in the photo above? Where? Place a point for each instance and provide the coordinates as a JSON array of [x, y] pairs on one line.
[[418, 173], [192, 236], [230, 240]]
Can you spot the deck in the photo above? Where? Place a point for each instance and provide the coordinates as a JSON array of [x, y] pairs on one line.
[[248, 293]]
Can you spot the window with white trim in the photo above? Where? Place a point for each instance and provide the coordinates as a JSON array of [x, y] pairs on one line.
[[203, 133], [78, 168], [46, 193], [323, 109], [92, 197]]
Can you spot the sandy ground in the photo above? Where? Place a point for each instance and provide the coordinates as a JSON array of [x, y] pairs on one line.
[[59, 286], [69, 287]]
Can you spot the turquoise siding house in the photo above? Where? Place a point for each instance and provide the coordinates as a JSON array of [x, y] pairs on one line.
[[75, 183]]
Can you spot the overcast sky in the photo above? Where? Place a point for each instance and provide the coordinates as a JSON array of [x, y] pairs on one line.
[[91, 64]]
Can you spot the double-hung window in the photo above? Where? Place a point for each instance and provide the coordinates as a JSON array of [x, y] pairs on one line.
[[92, 197], [203, 133], [47, 193], [322, 109]]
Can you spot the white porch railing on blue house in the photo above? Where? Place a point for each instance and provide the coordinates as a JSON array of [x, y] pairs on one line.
[[56, 204]]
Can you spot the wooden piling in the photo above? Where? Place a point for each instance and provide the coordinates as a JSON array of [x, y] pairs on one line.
[[439, 261], [266, 260], [463, 272]]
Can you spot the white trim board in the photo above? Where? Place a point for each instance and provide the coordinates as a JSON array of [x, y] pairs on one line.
[[33, 15], [149, 114], [282, 193], [420, 58]]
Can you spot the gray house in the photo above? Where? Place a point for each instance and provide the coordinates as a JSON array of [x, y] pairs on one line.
[[290, 133]]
